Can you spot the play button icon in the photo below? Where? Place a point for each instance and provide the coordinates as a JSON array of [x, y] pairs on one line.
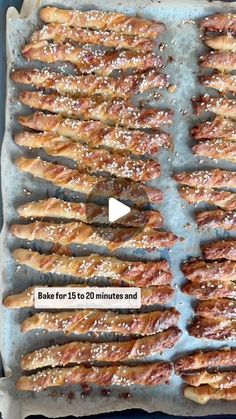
[[116, 210]]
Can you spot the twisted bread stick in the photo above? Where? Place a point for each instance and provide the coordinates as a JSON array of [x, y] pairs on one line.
[[205, 393], [217, 308], [101, 321], [220, 22], [79, 352], [80, 233], [111, 21], [218, 128], [212, 289], [222, 199], [119, 164], [88, 61], [217, 329], [215, 178], [217, 219], [211, 359], [139, 274], [118, 111], [97, 134], [75, 180], [223, 82], [219, 149], [221, 42], [149, 296], [123, 86], [88, 213], [145, 375], [217, 380], [218, 105], [219, 60], [201, 271], [220, 249], [61, 33]]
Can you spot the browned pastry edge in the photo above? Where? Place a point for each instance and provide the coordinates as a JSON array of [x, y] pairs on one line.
[[201, 271], [217, 128], [221, 42], [217, 219], [216, 380], [219, 198], [214, 178], [219, 149], [205, 393], [223, 82], [220, 22], [216, 329], [219, 60], [220, 249], [198, 360], [216, 309], [210, 289]]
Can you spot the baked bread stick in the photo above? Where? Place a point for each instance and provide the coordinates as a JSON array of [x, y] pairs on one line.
[[87, 212], [218, 149], [216, 329], [119, 164], [221, 42], [149, 296], [118, 111], [72, 85], [220, 22], [218, 128], [97, 134], [212, 289], [220, 106], [81, 182], [217, 219], [219, 60], [146, 375], [219, 308], [215, 178], [80, 233], [102, 321], [222, 199], [79, 351], [220, 249], [216, 380], [88, 61], [205, 393], [201, 271], [111, 21], [223, 82], [62, 32], [208, 359]]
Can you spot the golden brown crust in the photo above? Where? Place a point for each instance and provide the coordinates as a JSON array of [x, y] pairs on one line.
[[223, 82], [215, 178], [118, 111], [218, 128], [72, 85], [119, 164], [88, 61], [205, 393], [208, 359], [212, 289], [99, 321], [217, 219], [219, 149], [80, 233], [76, 180], [87, 212], [147, 374], [220, 106], [62, 32], [149, 296], [136, 273], [111, 21], [219, 308], [220, 22], [216, 380], [220, 249], [80, 352], [97, 134], [219, 60], [221, 42], [200, 271], [217, 329], [222, 199]]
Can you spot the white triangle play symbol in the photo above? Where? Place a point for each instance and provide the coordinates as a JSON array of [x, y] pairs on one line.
[[116, 210]]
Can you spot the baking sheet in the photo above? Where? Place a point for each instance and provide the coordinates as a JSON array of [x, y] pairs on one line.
[[184, 45]]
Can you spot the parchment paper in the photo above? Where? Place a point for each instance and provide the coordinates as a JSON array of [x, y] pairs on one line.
[[185, 46]]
